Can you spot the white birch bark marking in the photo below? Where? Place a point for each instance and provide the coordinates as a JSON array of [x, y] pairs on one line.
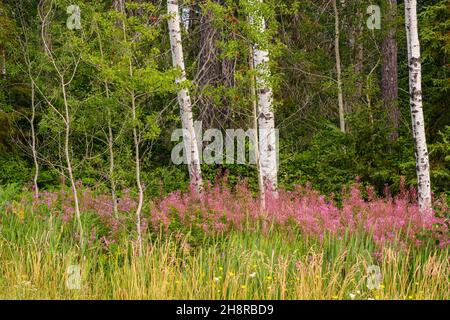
[[415, 89], [266, 119], [184, 99]]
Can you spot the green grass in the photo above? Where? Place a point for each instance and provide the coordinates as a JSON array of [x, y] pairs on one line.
[[36, 251]]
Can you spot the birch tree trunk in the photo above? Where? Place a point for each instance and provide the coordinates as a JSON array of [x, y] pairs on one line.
[[338, 68], [262, 194], [184, 99], [266, 119], [415, 89]]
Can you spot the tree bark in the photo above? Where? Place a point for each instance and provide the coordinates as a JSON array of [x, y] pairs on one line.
[[213, 71], [184, 99], [266, 120], [33, 139], [359, 66], [136, 138], [415, 89], [338, 68], [262, 195], [389, 81], [110, 140], [69, 160], [66, 113]]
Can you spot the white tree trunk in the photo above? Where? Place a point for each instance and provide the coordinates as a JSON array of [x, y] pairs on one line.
[[262, 193], [33, 140], [136, 139], [266, 120], [69, 161], [137, 158], [110, 141], [184, 99], [338, 67], [415, 89]]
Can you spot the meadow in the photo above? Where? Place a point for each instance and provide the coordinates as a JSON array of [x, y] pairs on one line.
[[220, 245]]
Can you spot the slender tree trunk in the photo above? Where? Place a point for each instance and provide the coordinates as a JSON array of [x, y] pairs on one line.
[[338, 68], [110, 139], [138, 173], [69, 161], [359, 66], [66, 116], [266, 118], [33, 140], [136, 140], [184, 99], [111, 168], [389, 82], [418, 123]]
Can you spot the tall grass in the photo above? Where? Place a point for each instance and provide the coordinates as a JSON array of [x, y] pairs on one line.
[[37, 247], [35, 255]]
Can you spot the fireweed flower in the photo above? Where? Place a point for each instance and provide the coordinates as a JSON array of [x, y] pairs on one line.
[[219, 210]]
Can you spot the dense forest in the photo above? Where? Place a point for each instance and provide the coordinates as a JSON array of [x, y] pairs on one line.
[[343, 99], [377, 145]]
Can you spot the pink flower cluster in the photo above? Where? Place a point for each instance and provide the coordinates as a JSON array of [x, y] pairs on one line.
[[61, 203], [305, 210], [218, 209]]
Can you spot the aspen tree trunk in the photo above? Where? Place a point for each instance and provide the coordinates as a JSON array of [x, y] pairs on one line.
[[69, 161], [262, 193], [184, 99], [338, 68], [65, 115], [136, 140], [33, 140], [415, 89], [266, 119], [111, 167], [138, 170], [110, 140]]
